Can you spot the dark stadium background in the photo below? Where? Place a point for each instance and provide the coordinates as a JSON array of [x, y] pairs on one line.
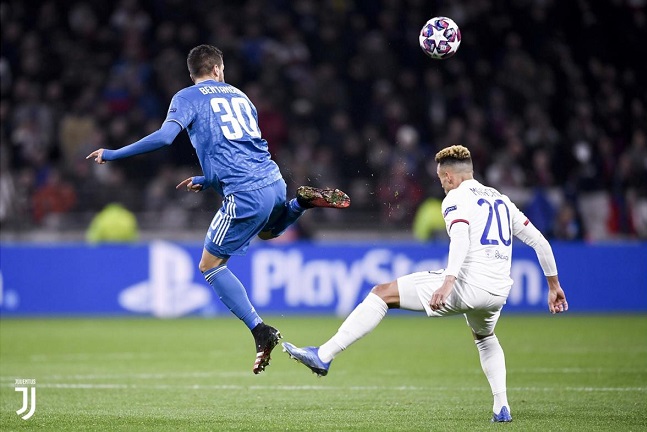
[[550, 96]]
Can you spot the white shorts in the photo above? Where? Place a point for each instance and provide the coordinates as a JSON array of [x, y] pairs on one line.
[[481, 308]]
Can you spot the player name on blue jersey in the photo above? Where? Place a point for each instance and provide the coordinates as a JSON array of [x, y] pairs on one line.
[[219, 90]]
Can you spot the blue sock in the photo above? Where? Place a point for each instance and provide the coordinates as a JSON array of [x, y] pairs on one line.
[[290, 214], [232, 293], [295, 206]]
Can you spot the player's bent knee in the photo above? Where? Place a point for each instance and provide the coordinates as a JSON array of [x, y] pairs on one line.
[[209, 261], [481, 337], [380, 289], [388, 292], [203, 267]]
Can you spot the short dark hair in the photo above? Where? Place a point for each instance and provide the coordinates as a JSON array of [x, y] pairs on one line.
[[202, 59], [454, 155]]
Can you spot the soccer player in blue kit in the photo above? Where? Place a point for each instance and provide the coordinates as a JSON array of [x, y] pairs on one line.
[[222, 124]]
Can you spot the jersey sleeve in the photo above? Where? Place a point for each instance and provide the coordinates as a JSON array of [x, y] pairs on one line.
[[181, 111], [158, 139], [534, 238], [519, 220], [454, 211]]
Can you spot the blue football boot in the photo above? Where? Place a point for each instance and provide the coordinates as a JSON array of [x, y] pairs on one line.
[[503, 416], [308, 356]]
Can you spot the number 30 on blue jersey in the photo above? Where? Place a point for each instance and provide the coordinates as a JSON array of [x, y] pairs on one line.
[[235, 117]]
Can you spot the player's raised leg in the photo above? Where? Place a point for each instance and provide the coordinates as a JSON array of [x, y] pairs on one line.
[[364, 318], [307, 197]]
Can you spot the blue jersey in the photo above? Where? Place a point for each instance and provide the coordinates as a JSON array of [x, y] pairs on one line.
[[223, 127]]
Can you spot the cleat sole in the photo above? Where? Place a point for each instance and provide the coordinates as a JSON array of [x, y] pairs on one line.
[[263, 357], [310, 197]]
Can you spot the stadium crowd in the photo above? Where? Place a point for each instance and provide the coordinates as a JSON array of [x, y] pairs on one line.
[[549, 96]]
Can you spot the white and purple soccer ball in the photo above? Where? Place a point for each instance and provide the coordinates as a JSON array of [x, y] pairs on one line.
[[440, 38]]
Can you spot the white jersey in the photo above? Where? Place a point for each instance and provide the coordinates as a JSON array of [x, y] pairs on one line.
[[493, 220]]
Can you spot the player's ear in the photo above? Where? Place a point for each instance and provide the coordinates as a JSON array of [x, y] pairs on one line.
[[448, 176]]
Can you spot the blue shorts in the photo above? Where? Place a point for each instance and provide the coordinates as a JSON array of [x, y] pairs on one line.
[[242, 216]]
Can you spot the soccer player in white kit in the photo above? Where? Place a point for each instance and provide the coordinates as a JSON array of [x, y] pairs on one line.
[[481, 222]]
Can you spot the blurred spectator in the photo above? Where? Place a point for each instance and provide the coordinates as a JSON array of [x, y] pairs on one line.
[[113, 185], [540, 211], [8, 193], [428, 222], [128, 17], [33, 124], [54, 198], [506, 171], [162, 203], [636, 180], [113, 224], [593, 197], [76, 128], [567, 224], [400, 193]]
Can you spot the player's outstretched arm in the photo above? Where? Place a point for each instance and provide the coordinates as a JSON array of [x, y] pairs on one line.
[[158, 139]]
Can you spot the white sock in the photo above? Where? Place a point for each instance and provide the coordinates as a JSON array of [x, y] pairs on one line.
[[361, 321], [493, 364]]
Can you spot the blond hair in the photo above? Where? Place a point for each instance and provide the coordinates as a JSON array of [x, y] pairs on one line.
[[454, 154]]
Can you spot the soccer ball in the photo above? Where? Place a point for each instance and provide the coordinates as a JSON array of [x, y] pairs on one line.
[[440, 38]]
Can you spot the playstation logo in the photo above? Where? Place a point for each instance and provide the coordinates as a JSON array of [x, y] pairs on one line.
[[169, 291]]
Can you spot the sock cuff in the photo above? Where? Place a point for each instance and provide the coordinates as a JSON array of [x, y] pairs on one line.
[[486, 341], [211, 274], [295, 206], [376, 302]]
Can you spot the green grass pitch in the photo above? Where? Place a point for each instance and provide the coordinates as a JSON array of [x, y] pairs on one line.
[[570, 372]]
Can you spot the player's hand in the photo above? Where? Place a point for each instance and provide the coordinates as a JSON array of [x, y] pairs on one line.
[[557, 300], [439, 297], [97, 155], [189, 185], [556, 297]]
